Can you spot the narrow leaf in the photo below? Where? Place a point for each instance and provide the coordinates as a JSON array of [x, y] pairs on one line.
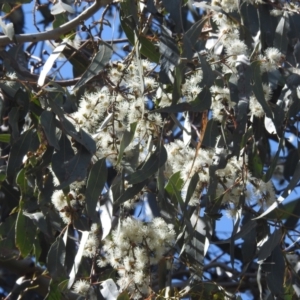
[[84, 237], [75, 169], [50, 61], [56, 258], [155, 161], [106, 215], [126, 140], [98, 63], [96, 181], [27, 141], [25, 233], [269, 245], [47, 120], [130, 193]]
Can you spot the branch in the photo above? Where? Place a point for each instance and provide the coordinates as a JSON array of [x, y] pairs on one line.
[[57, 32]]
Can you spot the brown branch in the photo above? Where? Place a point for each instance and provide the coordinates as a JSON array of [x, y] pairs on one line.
[[57, 32]]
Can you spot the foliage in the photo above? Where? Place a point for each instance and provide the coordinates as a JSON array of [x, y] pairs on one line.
[[113, 181]]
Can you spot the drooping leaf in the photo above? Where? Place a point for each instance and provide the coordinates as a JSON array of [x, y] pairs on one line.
[[98, 63], [128, 23], [190, 38], [72, 275], [174, 181], [293, 182], [25, 233], [68, 128], [267, 176], [126, 140], [39, 221], [192, 187], [25, 187], [56, 259], [169, 56], [274, 267], [130, 192], [281, 34], [208, 74], [174, 8], [47, 121], [76, 168], [249, 239], [7, 234], [95, 184], [290, 166], [198, 239], [13, 120], [50, 61], [269, 245], [202, 102], [106, 215], [211, 133], [65, 154], [155, 161], [28, 141]]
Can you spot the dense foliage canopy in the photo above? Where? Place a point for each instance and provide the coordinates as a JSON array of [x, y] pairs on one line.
[[122, 158]]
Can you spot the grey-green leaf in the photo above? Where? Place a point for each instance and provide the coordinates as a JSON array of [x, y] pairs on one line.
[[95, 184], [47, 121], [56, 258], [155, 161], [98, 63], [27, 141]]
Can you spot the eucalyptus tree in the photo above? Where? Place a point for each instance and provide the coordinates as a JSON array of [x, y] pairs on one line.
[[121, 158]]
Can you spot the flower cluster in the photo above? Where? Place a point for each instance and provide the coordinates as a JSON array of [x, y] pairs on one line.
[[106, 113], [191, 89], [81, 287], [92, 243], [134, 249], [233, 180], [68, 205], [221, 102]]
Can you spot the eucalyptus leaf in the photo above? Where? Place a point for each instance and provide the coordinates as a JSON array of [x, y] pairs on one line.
[[95, 184], [155, 161], [47, 120], [98, 63], [25, 233], [56, 258], [27, 141], [51, 59], [61, 7]]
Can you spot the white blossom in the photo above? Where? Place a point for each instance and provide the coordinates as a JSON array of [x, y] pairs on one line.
[[81, 287]]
